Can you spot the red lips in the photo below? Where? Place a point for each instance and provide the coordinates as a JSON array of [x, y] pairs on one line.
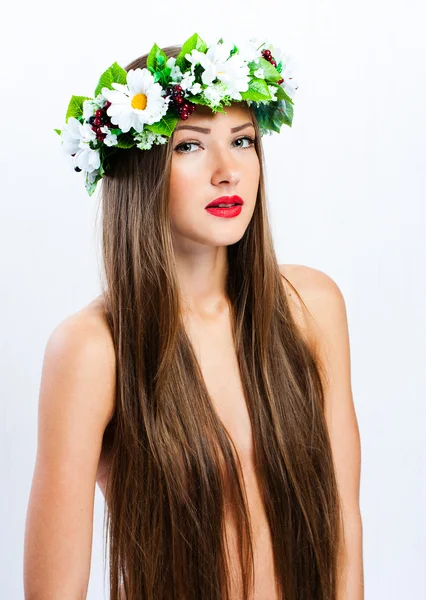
[[226, 200]]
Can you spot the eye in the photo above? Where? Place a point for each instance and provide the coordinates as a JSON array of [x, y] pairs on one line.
[[246, 137], [179, 147]]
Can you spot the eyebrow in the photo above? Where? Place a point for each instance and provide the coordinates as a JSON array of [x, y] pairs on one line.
[[208, 130]]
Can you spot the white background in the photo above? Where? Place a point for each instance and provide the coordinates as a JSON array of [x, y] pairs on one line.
[[347, 196]]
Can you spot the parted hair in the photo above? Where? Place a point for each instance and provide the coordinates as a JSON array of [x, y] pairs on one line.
[[171, 455]]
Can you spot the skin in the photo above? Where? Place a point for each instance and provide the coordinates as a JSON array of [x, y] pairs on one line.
[[210, 165], [74, 411]]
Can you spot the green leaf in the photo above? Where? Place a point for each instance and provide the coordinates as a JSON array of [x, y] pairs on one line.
[[271, 73], [75, 107], [283, 114], [258, 90], [281, 95], [91, 187], [164, 76], [125, 141], [115, 74], [233, 51], [58, 131], [192, 43], [156, 58], [165, 126]]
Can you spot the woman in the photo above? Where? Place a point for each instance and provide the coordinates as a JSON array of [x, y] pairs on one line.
[[206, 390]]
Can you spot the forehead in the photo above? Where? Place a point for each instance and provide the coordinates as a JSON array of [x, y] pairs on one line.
[[235, 114]]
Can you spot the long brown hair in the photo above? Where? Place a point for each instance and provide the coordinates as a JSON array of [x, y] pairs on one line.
[[171, 453]]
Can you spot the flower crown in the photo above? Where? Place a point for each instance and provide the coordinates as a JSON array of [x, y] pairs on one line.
[[141, 107]]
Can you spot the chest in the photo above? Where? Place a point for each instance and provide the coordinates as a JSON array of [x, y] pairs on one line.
[[214, 347]]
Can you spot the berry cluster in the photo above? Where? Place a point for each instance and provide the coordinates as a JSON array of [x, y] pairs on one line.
[[100, 119], [183, 106], [268, 56]]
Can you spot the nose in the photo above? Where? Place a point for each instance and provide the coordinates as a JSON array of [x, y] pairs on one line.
[[225, 168]]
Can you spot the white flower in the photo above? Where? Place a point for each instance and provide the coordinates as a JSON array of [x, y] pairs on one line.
[[111, 138], [195, 89], [272, 91], [215, 93], [87, 133], [86, 158], [217, 64], [250, 50], [89, 109], [276, 52], [175, 73], [187, 81], [76, 139], [71, 136], [74, 132], [147, 138], [99, 101], [138, 103], [289, 84], [91, 175]]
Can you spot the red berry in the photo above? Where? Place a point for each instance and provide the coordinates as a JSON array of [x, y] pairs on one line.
[[179, 100], [178, 88], [184, 116], [273, 63], [107, 104], [94, 128], [280, 81], [97, 121], [98, 113]]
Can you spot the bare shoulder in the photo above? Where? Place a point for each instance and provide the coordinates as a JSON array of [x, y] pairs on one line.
[[85, 337], [76, 403], [314, 297]]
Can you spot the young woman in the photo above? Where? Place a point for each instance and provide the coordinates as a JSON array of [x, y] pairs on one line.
[[206, 390]]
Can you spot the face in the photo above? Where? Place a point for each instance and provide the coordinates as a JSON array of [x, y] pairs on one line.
[[208, 164]]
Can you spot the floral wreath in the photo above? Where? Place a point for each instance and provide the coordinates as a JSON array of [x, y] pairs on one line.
[[141, 107]]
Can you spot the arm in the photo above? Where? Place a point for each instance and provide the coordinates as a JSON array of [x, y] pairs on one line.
[[75, 404], [330, 338], [326, 328]]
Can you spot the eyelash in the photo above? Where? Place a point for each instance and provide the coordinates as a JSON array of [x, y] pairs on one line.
[[244, 137]]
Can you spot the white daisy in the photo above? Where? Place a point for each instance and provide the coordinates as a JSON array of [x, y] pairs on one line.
[[139, 102]]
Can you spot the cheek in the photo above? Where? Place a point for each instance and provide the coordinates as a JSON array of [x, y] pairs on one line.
[[184, 179]]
